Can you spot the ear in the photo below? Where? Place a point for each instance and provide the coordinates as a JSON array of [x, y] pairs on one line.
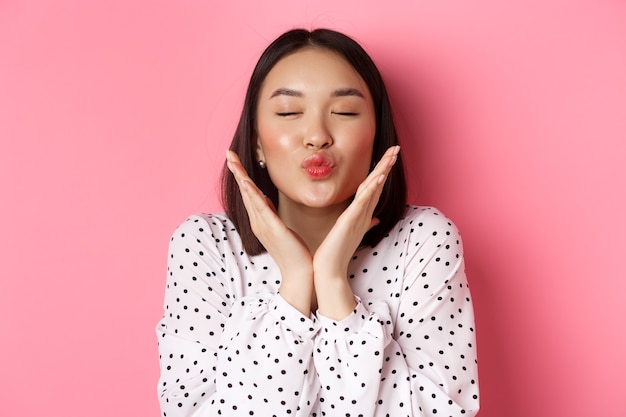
[[260, 155]]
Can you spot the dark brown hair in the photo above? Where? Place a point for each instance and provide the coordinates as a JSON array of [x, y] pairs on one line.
[[392, 201]]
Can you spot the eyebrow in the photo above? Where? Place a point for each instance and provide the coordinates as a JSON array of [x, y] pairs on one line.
[[341, 92], [286, 92]]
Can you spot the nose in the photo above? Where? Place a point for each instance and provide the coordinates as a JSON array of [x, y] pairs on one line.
[[317, 135]]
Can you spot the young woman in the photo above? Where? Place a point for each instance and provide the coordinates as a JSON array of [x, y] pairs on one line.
[[319, 292]]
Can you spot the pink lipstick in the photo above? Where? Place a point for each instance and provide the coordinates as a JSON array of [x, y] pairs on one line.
[[318, 165]]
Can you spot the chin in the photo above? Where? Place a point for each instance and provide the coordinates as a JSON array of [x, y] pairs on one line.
[[319, 203]]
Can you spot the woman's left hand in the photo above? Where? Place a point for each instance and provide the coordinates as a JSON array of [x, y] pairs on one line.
[[330, 261]]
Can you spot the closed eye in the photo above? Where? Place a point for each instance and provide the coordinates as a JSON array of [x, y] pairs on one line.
[[287, 113], [346, 113]]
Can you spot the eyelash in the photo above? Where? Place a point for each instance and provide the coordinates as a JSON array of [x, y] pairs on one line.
[[286, 114]]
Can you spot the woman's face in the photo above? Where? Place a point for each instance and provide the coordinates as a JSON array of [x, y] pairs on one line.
[[316, 127]]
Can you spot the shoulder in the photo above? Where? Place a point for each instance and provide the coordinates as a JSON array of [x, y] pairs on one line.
[[206, 229], [427, 217], [421, 222], [202, 222]]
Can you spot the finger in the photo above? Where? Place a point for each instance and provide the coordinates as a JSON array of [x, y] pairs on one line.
[[382, 168], [368, 193], [241, 176], [377, 177], [235, 166], [253, 198], [387, 161]]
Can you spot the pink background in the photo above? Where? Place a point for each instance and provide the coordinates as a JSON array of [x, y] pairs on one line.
[[114, 116]]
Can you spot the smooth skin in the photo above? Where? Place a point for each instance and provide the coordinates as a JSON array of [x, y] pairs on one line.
[[313, 101]]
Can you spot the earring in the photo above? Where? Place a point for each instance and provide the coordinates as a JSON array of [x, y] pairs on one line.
[[262, 164]]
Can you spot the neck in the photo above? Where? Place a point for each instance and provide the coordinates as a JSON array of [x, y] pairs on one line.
[[310, 223]]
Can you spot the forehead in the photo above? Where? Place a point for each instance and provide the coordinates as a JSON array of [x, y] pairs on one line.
[[313, 68]]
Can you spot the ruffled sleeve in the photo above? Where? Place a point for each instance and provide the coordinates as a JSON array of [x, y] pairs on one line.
[[225, 356]]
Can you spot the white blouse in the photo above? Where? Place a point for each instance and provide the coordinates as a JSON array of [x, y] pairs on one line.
[[230, 345]]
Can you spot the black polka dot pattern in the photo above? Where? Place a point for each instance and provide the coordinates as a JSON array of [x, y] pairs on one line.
[[230, 345]]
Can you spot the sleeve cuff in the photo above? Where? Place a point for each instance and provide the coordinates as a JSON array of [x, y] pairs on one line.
[[351, 324], [292, 318]]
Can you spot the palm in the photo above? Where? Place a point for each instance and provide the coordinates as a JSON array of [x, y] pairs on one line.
[[337, 249]]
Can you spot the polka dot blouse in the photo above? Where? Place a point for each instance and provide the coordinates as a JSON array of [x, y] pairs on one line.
[[230, 345]]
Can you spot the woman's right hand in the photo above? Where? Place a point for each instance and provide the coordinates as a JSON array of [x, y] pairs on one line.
[[286, 248]]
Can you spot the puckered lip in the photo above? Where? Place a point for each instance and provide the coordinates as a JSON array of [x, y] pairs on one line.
[[318, 160]]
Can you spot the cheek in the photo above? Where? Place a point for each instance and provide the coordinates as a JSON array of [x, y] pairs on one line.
[[364, 156], [364, 148], [274, 138]]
